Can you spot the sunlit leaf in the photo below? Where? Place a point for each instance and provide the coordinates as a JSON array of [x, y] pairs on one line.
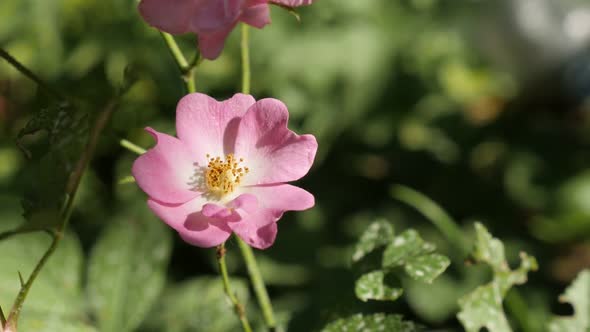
[[578, 295], [373, 286], [128, 270], [378, 234], [55, 302], [409, 251], [482, 308], [374, 322], [52, 162], [198, 305]]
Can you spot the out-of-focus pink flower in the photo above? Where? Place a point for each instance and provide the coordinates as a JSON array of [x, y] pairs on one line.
[[227, 171], [211, 20]]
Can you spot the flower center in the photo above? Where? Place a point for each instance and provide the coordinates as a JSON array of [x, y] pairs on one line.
[[224, 175]]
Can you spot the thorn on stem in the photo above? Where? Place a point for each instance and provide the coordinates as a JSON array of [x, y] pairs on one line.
[[22, 281], [2, 318]]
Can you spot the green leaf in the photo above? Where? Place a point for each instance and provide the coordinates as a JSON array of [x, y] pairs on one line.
[[378, 234], [416, 257], [55, 301], [578, 295], [483, 307], [198, 305], [127, 270], [372, 286], [50, 168], [374, 322]]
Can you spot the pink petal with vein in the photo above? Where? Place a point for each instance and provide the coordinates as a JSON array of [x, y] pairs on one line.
[[165, 172], [274, 153]]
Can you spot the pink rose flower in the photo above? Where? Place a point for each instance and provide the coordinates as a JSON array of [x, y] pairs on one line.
[[211, 20], [227, 170]]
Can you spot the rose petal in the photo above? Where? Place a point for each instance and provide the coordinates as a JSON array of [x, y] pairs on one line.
[[258, 229], [172, 16], [257, 15], [166, 172], [273, 153], [215, 15], [282, 197], [293, 3], [208, 126], [211, 43], [191, 224]]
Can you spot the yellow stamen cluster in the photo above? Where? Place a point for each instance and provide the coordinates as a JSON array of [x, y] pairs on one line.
[[223, 176]]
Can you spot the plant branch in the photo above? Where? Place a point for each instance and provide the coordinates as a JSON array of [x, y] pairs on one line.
[[187, 70], [238, 307], [246, 75], [258, 284], [132, 146], [28, 73]]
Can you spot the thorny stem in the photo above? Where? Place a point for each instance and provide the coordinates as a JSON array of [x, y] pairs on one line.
[[238, 307], [26, 72], [187, 70]]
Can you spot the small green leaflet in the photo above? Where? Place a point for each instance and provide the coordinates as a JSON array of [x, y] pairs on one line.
[[483, 307], [407, 251], [416, 257], [578, 295], [374, 322], [373, 286], [379, 234]]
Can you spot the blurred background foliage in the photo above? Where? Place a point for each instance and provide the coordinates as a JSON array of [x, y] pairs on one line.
[[484, 106]]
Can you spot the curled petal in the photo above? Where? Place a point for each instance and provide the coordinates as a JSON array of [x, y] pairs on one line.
[[191, 224], [165, 172], [258, 229], [273, 153], [172, 16], [208, 126]]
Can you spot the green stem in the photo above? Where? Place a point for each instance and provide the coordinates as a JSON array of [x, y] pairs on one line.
[[187, 70], [238, 307], [246, 75], [518, 308], [132, 146], [251, 264], [433, 212], [258, 284], [28, 73]]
